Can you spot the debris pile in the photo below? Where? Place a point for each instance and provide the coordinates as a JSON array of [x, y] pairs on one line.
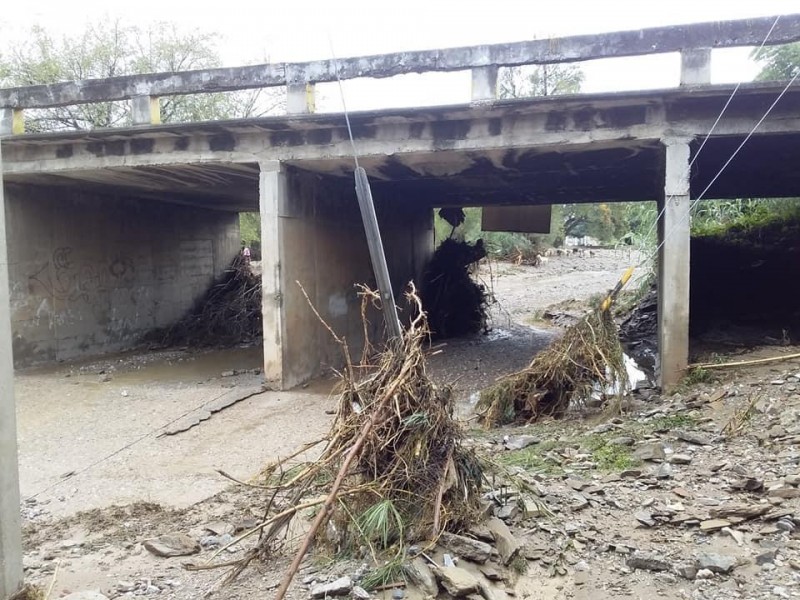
[[228, 314], [393, 468], [639, 331], [587, 358], [454, 302]]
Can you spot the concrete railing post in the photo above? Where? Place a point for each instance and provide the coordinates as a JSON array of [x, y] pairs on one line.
[[673, 265], [145, 110], [272, 199], [12, 121], [696, 66], [10, 526], [484, 83], [300, 98]]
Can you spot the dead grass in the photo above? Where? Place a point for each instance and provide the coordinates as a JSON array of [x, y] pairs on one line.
[[587, 357]]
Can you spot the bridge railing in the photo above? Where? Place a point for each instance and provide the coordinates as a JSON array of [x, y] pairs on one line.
[[694, 42]]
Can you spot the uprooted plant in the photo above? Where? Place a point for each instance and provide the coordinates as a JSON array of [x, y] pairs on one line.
[[392, 469], [587, 359]]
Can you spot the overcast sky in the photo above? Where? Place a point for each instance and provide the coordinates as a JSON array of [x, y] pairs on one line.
[[296, 31]]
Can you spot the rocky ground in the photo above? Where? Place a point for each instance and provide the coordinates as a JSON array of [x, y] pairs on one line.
[[690, 495], [693, 495]]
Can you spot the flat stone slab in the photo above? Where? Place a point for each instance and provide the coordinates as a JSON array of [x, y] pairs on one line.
[[339, 587], [172, 544], [457, 582]]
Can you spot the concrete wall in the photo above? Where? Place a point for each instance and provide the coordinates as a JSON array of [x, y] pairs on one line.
[[92, 273], [325, 249]]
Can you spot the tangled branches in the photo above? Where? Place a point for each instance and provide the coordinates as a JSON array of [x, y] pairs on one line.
[[586, 358], [392, 469], [229, 313]]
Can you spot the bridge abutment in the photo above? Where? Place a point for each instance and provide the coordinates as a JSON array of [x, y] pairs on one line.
[[94, 271]]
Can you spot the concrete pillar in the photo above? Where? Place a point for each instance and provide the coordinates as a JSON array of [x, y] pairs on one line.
[[673, 265], [272, 200], [145, 110], [10, 526], [484, 83], [696, 66], [12, 121], [300, 98]]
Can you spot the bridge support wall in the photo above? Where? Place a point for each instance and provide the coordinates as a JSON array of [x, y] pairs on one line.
[[91, 273], [673, 265], [312, 236]]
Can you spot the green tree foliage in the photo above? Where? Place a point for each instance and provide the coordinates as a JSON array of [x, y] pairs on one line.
[[250, 227], [779, 62], [539, 80], [109, 49]]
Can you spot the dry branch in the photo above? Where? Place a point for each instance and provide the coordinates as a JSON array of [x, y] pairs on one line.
[[587, 359], [394, 446]]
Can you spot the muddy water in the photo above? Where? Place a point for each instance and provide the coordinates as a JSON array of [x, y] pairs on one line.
[[165, 366]]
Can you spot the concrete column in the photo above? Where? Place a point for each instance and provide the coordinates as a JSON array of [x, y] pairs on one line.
[[272, 200], [300, 98], [673, 265], [10, 526], [145, 110], [696, 66], [12, 121], [484, 83]]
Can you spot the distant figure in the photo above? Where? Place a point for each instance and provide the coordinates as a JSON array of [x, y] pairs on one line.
[[246, 255]]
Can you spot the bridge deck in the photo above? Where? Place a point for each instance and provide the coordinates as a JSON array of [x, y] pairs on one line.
[[587, 148]]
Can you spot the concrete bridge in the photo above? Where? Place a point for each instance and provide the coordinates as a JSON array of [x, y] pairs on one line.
[[109, 233], [114, 232]]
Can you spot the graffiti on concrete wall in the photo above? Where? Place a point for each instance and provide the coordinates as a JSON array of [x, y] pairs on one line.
[[65, 278]]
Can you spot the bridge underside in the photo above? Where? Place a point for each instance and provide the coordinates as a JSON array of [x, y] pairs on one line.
[[612, 171], [161, 201]]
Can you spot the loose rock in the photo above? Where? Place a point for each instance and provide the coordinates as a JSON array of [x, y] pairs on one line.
[[647, 562], [505, 542], [714, 525], [645, 518], [172, 544], [693, 437], [680, 459], [467, 548], [521, 441], [716, 563], [457, 582], [421, 575], [339, 587], [650, 452]]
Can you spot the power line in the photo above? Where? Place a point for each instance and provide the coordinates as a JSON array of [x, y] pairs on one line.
[[705, 139]]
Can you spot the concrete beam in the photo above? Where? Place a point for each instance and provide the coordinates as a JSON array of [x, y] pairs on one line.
[[272, 192], [484, 83], [721, 34], [514, 126], [145, 110], [12, 121], [696, 66], [10, 526], [673, 265], [300, 99]]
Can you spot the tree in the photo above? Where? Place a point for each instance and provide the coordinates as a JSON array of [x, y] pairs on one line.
[[540, 80], [109, 49], [780, 62]]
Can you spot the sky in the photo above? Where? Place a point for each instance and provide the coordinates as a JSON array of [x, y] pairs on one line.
[[252, 32]]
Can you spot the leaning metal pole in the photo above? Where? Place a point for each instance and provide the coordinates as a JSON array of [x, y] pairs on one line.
[[376, 253]]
